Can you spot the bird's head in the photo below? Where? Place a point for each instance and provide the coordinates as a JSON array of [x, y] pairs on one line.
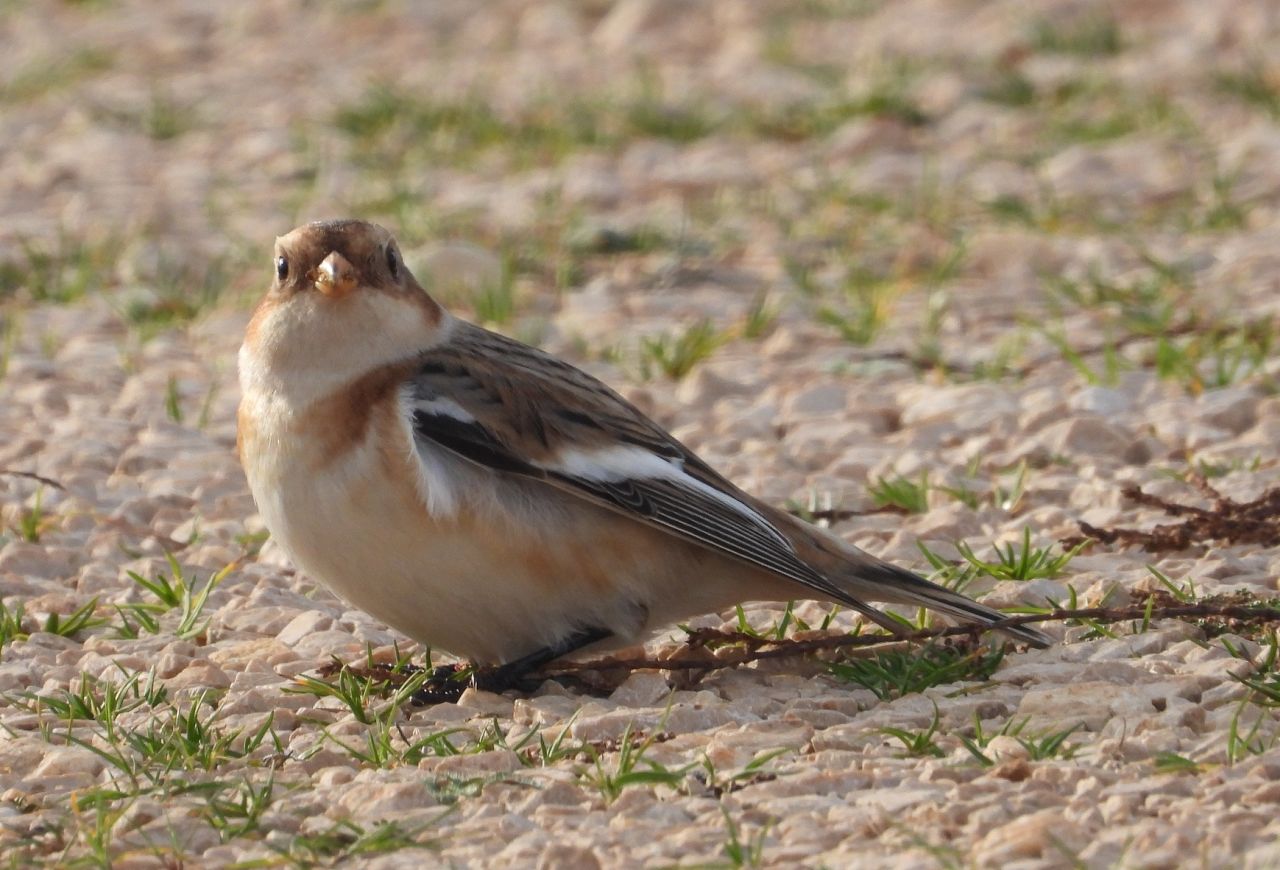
[[338, 258], [341, 299]]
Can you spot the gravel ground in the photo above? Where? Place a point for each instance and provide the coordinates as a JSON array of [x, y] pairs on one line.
[[948, 275]]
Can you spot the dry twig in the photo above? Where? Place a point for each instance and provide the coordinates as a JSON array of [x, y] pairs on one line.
[[1226, 521], [712, 649], [756, 648], [30, 475]]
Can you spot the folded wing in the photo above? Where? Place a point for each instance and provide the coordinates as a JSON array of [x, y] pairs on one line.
[[516, 410]]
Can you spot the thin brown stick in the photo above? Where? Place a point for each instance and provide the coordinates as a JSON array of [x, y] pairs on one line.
[[30, 475], [758, 648]]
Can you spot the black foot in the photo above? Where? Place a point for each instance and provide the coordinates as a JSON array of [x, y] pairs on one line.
[[445, 685], [448, 682]]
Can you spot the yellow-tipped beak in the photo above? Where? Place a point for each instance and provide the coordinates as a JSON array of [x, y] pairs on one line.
[[334, 276]]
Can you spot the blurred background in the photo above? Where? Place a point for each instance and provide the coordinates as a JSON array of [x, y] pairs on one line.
[[906, 142], [936, 188]]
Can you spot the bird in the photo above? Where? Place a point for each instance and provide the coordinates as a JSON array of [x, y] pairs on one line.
[[494, 501]]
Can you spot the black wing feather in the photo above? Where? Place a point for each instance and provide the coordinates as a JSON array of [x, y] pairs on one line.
[[470, 441]]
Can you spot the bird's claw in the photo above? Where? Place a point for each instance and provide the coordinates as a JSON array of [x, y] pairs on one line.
[[447, 682]]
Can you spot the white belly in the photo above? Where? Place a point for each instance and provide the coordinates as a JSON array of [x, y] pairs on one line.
[[344, 529]]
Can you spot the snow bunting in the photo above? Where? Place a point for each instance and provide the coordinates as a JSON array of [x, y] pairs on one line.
[[488, 499]]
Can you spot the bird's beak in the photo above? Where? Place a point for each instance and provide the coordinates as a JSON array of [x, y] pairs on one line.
[[334, 276]]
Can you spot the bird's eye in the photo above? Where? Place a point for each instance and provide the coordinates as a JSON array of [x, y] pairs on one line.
[[393, 263], [282, 268]]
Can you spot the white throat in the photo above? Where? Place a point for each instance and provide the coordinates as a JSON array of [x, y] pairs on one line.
[[310, 346]]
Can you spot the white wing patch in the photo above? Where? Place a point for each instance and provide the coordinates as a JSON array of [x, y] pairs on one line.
[[438, 480], [440, 406], [616, 464]]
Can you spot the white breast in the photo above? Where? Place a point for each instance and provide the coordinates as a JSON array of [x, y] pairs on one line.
[[465, 588]]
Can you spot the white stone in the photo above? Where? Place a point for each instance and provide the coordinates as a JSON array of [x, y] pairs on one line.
[[1102, 401], [968, 407], [824, 401], [1086, 435], [303, 626], [641, 689], [60, 761]]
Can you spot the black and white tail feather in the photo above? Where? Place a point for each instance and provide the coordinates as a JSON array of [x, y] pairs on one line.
[[877, 580]]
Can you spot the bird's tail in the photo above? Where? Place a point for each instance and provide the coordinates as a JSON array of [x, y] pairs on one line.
[[860, 577]]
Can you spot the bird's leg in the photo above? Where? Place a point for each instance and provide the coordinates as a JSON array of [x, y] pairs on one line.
[[448, 682], [511, 675]]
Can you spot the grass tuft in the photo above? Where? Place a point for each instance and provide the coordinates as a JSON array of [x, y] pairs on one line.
[[33, 521], [894, 673], [61, 271], [345, 842], [918, 744], [52, 74], [676, 355], [1023, 562], [901, 494], [743, 852], [1254, 85], [1039, 747], [1091, 35], [630, 768], [188, 597]]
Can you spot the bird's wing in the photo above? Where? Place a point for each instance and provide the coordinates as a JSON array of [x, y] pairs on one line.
[[515, 410]]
